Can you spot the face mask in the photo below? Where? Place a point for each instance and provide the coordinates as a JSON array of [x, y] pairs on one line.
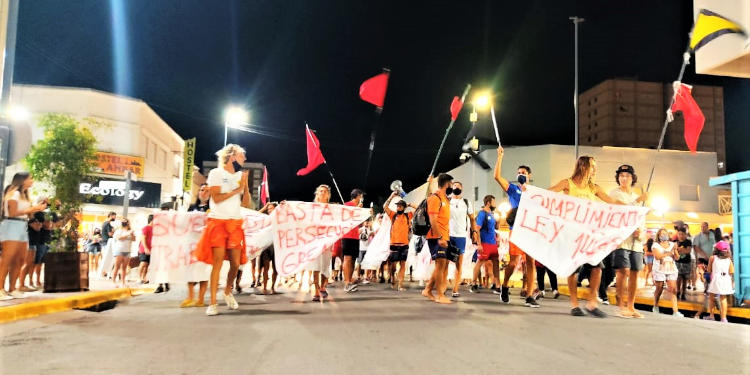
[[456, 191], [663, 237], [237, 166], [521, 179], [449, 191], [492, 208]]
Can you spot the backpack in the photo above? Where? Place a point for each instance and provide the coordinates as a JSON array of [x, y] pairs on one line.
[[421, 221]]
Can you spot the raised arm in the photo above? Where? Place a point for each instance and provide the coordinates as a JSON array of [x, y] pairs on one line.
[[498, 170]]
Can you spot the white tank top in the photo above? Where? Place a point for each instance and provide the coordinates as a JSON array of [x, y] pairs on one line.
[[22, 205]]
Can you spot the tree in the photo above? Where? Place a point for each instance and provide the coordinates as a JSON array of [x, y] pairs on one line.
[[64, 158]]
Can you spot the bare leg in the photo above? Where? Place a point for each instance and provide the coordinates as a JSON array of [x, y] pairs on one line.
[[401, 272], [657, 292], [348, 268], [457, 277], [316, 282], [632, 289], [234, 265], [427, 292], [723, 308], [621, 287], [191, 294], [442, 281], [573, 288], [218, 260], [594, 279], [202, 291]]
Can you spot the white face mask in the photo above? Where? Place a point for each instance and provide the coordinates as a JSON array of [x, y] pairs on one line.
[[663, 237]]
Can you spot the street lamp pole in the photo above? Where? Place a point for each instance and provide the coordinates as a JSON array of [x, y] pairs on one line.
[[576, 20], [225, 134]]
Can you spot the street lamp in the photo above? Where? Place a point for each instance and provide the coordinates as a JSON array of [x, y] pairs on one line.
[[234, 117], [17, 113]]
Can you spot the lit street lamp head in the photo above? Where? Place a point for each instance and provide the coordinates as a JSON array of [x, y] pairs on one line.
[[235, 116]]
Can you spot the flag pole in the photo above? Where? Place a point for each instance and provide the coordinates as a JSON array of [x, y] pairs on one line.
[[685, 61], [494, 123], [378, 112], [450, 125], [309, 132]]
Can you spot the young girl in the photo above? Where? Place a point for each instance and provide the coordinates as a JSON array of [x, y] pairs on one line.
[[665, 269], [124, 238], [722, 281]]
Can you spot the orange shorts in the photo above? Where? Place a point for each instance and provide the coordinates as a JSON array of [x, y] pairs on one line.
[[514, 250], [221, 233]]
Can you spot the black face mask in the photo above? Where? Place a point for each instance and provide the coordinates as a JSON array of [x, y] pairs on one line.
[[492, 208], [521, 179], [237, 166], [449, 191], [456, 191]]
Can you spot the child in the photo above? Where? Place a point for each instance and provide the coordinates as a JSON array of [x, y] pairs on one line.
[[722, 281]]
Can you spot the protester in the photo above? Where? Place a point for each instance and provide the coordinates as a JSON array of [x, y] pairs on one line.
[[721, 268], [540, 271], [581, 185], [461, 225], [321, 266], [198, 272], [144, 249], [14, 235], [223, 237], [350, 244], [399, 243], [438, 209], [488, 247], [124, 237], [627, 260], [665, 269], [267, 262], [514, 192], [684, 247]]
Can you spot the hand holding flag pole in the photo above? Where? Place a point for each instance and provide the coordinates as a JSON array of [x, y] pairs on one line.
[[455, 109]]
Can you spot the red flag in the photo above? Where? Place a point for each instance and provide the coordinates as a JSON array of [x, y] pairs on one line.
[[692, 115], [264, 192], [373, 90], [314, 156], [456, 106]]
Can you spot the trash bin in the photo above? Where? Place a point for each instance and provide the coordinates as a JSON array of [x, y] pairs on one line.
[[740, 186]]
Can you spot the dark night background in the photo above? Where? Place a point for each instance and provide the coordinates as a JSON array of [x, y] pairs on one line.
[[289, 62]]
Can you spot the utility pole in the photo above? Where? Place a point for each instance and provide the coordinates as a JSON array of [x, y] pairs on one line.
[[576, 20]]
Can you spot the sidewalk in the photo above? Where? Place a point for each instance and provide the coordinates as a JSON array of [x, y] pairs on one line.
[[38, 303]]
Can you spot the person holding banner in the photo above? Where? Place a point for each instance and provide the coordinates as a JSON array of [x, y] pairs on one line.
[[514, 192], [223, 237], [628, 258], [321, 266], [581, 185], [439, 211], [400, 228], [197, 273], [350, 244]]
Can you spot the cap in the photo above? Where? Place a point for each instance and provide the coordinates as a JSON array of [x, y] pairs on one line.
[[625, 168], [722, 246], [402, 203]]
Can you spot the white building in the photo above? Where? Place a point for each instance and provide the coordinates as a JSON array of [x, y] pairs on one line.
[[680, 178], [134, 131]]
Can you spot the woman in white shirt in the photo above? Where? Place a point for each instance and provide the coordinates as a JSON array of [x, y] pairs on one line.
[[665, 269], [223, 237], [14, 234], [124, 238]]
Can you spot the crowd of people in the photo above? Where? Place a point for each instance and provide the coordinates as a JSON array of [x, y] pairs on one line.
[[671, 261]]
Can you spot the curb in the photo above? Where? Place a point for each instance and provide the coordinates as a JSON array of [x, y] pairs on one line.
[[54, 305], [736, 312]]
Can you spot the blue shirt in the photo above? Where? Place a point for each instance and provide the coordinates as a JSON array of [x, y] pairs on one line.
[[514, 195], [486, 223]]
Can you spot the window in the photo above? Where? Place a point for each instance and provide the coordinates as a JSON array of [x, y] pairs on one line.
[[153, 151], [163, 159]]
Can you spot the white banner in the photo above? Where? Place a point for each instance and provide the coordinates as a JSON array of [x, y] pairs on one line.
[[421, 262], [177, 233], [380, 246], [564, 232], [301, 230]]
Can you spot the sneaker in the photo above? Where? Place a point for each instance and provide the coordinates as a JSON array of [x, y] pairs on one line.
[[456, 295], [17, 294], [504, 295], [27, 289], [724, 321], [212, 310], [231, 302], [365, 282], [531, 302], [576, 311], [605, 302], [655, 310], [496, 290], [678, 314], [555, 294], [4, 296], [382, 280], [166, 287], [474, 289], [324, 293], [160, 289], [596, 312], [316, 299], [351, 288], [239, 289], [542, 294]]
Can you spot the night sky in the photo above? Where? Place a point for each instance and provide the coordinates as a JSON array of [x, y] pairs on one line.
[[289, 62]]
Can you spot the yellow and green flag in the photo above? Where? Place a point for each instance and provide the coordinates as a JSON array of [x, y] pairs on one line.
[[709, 26]]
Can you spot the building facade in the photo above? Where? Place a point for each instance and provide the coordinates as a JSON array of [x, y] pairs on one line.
[[630, 113]]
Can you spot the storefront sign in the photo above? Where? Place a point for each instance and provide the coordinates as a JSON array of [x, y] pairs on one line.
[[187, 170], [117, 164], [142, 194]]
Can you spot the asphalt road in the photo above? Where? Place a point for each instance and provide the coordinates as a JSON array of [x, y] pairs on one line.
[[373, 331]]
